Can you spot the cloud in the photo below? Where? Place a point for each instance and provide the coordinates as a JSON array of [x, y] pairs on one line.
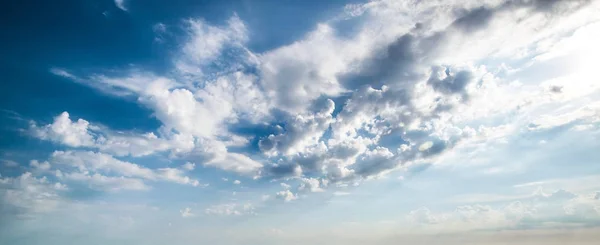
[[188, 166], [536, 211], [312, 64], [180, 145], [405, 86], [106, 172], [27, 196], [206, 42], [422, 216], [474, 19], [300, 131], [311, 184], [81, 133], [449, 83], [231, 209], [121, 4], [101, 182], [9, 163], [65, 131], [186, 212], [236, 182], [286, 195]]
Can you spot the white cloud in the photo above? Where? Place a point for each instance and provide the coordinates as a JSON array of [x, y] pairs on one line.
[[311, 185], [81, 133], [39, 167], [101, 169], [285, 186], [91, 161], [341, 193], [286, 195], [106, 183], [65, 131], [26, 195], [411, 82], [121, 4], [312, 64], [537, 210], [230, 209], [188, 166], [176, 176], [422, 216], [186, 212], [206, 43], [236, 182]]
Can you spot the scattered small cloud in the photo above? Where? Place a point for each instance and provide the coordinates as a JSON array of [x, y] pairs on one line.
[[186, 212]]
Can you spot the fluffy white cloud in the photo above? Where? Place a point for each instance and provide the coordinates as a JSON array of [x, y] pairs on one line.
[[311, 184], [65, 131], [81, 133], [295, 75], [286, 195], [411, 82], [39, 167]]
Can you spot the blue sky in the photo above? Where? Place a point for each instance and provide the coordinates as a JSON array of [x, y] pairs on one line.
[[300, 122]]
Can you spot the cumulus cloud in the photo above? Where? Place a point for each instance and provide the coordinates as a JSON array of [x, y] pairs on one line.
[[286, 195], [308, 67], [181, 145], [408, 84], [81, 133], [312, 185], [65, 131]]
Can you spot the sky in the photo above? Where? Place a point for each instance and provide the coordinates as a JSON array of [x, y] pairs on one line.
[[300, 122]]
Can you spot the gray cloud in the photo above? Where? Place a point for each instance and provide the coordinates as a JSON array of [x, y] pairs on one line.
[[452, 83], [392, 64], [475, 19]]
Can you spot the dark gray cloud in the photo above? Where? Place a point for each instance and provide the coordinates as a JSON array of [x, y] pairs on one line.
[[556, 89], [452, 83], [554, 6], [474, 20], [281, 170], [392, 64]]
